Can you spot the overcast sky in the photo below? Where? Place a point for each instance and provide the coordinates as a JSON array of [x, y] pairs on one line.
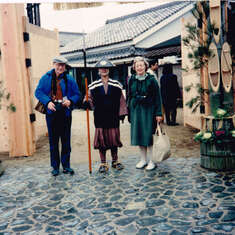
[[88, 19]]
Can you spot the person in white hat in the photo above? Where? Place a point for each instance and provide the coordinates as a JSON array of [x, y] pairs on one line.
[[58, 92], [109, 105]]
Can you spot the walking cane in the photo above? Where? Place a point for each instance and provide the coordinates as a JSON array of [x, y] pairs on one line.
[[88, 129]]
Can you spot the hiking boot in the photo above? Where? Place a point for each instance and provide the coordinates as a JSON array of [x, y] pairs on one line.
[[68, 171], [103, 168], [55, 172], [117, 165]]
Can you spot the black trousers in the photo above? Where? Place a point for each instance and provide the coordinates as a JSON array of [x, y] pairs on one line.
[[170, 113], [59, 128]]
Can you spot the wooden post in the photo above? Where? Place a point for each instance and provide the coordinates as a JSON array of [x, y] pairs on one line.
[[14, 72], [28, 80], [88, 129], [233, 83], [205, 71]]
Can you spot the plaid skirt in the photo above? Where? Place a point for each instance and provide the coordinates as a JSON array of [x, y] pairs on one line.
[[107, 138]]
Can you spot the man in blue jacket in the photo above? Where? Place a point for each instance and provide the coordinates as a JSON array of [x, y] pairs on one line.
[[58, 92]]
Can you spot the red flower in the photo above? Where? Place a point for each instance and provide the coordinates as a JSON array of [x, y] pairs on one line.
[[219, 133]]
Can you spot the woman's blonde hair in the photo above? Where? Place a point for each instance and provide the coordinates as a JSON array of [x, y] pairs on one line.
[[140, 58]]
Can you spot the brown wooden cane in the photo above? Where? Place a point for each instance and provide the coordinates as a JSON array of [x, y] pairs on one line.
[[88, 129]]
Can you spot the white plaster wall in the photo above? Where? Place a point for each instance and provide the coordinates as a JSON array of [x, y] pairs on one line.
[[188, 78]]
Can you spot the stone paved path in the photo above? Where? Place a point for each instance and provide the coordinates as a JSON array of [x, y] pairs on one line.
[[179, 197]]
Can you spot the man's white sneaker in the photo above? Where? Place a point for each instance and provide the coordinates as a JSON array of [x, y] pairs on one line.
[[150, 166], [141, 164]]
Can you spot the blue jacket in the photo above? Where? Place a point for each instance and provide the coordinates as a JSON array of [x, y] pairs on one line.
[[43, 91]]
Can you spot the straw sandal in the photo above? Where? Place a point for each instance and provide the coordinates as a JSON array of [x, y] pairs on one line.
[[117, 165], [103, 168]]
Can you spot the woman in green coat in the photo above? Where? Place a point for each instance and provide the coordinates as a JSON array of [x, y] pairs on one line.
[[144, 111]]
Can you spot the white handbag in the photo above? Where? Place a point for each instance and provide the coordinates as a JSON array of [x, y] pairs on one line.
[[161, 146]]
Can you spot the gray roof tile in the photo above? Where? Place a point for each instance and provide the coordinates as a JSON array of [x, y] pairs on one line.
[[174, 50], [114, 54], [67, 37], [126, 28]]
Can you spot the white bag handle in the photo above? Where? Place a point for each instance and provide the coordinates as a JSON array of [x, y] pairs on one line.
[[159, 129], [162, 146]]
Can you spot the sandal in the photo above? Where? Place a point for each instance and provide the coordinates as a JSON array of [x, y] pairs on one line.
[[117, 165], [103, 168]]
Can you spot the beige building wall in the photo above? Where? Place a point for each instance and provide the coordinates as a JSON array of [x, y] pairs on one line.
[[188, 78], [44, 46]]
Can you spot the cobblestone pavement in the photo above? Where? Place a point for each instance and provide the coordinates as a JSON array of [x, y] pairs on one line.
[[179, 197]]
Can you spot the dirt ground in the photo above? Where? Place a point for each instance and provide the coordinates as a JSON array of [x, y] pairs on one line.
[[181, 138]]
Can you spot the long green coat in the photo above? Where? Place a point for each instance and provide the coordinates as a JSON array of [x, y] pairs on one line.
[[144, 105]]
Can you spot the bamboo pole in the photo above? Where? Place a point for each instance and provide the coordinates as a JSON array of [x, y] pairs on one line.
[[226, 17], [233, 83], [88, 129], [205, 70]]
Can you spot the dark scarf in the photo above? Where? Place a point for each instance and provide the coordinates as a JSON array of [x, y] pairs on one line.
[[53, 82]]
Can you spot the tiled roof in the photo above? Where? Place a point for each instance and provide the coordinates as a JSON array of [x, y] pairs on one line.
[[127, 27], [114, 54], [160, 52], [67, 37]]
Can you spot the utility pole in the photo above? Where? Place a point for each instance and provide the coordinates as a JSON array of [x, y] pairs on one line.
[[84, 49]]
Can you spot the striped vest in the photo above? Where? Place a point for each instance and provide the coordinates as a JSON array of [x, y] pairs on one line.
[[106, 106]]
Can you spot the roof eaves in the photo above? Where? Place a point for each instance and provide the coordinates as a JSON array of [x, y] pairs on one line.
[[119, 53], [73, 33], [166, 51], [64, 51], [163, 23]]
